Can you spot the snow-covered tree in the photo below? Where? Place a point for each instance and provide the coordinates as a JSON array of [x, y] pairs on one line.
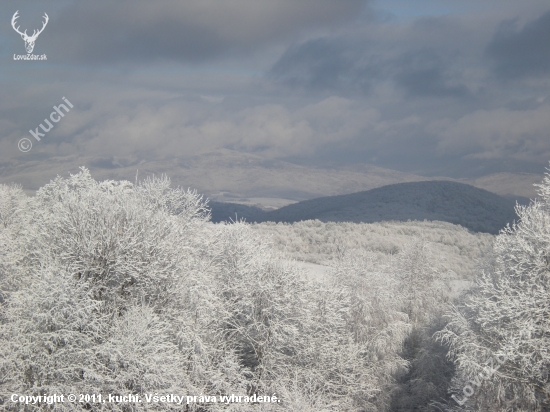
[[107, 295], [499, 337], [373, 327], [13, 219], [421, 280], [115, 287]]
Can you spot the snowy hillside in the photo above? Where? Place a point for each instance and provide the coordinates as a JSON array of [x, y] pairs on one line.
[[455, 248], [116, 287]]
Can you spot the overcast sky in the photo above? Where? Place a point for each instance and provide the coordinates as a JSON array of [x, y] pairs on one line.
[[446, 87]]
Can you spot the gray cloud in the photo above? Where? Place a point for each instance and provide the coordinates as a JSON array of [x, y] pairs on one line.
[[309, 81], [352, 63], [429, 82], [524, 52], [325, 64], [497, 134], [191, 31], [423, 73]]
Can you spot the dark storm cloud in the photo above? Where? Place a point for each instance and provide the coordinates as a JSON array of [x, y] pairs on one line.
[[525, 52], [351, 64], [423, 73], [429, 82], [324, 64], [144, 31]]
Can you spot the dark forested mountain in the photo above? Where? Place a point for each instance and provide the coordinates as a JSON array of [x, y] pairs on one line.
[[458, 203]]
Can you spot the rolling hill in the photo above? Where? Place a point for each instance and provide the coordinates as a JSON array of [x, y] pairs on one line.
[[458, 203], [230, 176]]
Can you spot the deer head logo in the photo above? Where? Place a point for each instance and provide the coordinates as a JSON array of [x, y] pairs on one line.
[[29, 40]]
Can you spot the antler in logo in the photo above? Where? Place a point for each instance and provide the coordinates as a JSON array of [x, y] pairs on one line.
[[29, 40]]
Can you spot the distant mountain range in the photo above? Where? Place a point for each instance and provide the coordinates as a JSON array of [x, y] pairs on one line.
[[231, 176], [476, 209]]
